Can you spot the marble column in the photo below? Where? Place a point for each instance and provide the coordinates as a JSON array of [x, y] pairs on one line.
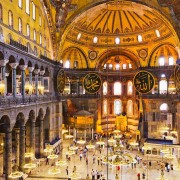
[[17, 146], [3, 73], [14, 66], [8, 153], [41, 135], [36, 71], [32, 137], [92, 131], [22, 147], [23, 67], [85, 134], [31, 69]]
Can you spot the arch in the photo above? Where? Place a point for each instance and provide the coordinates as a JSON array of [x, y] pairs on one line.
[[4, 123], [118, 51], [158, 52], [40, 113], [75, 54], [47, 73], [1, 56], [117, 106], [20, 119], [21, 62], [10, 18], [36, 66], [32, 115], [42, 68], [164, 107], [29, 64], [12, 59]]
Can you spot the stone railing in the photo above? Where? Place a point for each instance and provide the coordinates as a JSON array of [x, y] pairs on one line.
[[10, 101], [80, 96]]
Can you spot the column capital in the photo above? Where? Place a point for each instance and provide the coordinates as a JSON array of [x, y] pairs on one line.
[[14, 65], [3, 62], [42, 72], [31, 69], [23, 67], [36, 71]]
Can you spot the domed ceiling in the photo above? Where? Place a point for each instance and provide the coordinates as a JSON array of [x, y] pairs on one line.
[[123, 19]]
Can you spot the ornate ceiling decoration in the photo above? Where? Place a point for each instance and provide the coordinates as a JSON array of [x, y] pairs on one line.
[[123, 18]]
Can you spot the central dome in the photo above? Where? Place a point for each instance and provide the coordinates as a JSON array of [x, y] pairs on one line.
[[126, 20]]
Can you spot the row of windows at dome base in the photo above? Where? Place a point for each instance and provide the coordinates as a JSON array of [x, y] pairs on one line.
[[117, 40], [117, 66], [130, 107]]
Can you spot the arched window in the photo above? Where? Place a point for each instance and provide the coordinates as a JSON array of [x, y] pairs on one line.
[[20, 3], [45, 42], [67, 64], [34, 36], [171, 61], [35, 51], [29, 47], [129, 88], [117, 88], [140, 38], [105, 107], [124, 66], [117, 107], [130, 66], [20, 25], [163, 87], [105, 88], [164, 107], [27, 7], [1, 12], [40, 21], [28, 30], [40, 39], [161, 61], [33, 11], [75, 64], [117, 66], [10, 16], [110, 66], [129, 108]]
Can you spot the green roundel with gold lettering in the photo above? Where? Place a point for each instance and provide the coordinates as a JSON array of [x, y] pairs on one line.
[[61, 79], [143, 82], [177, 78], [92, 83]]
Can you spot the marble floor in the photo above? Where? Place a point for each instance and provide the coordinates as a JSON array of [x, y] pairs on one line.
[[125, 173]]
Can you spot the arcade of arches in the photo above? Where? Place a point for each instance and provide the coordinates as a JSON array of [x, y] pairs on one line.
[[114, 39]]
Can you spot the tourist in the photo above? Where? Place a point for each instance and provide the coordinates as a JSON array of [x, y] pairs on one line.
[[67, 170]]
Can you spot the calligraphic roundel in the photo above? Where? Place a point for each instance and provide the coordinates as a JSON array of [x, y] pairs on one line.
[[143, 82], [61, 79], [92, 83], [177, 78]]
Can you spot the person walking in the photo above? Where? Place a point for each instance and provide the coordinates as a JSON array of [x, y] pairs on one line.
[[138, 175], [98, 160], [67, 172], [47, 161], [94, 159]]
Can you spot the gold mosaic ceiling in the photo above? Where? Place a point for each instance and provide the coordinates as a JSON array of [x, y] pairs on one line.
[[124, 19]]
